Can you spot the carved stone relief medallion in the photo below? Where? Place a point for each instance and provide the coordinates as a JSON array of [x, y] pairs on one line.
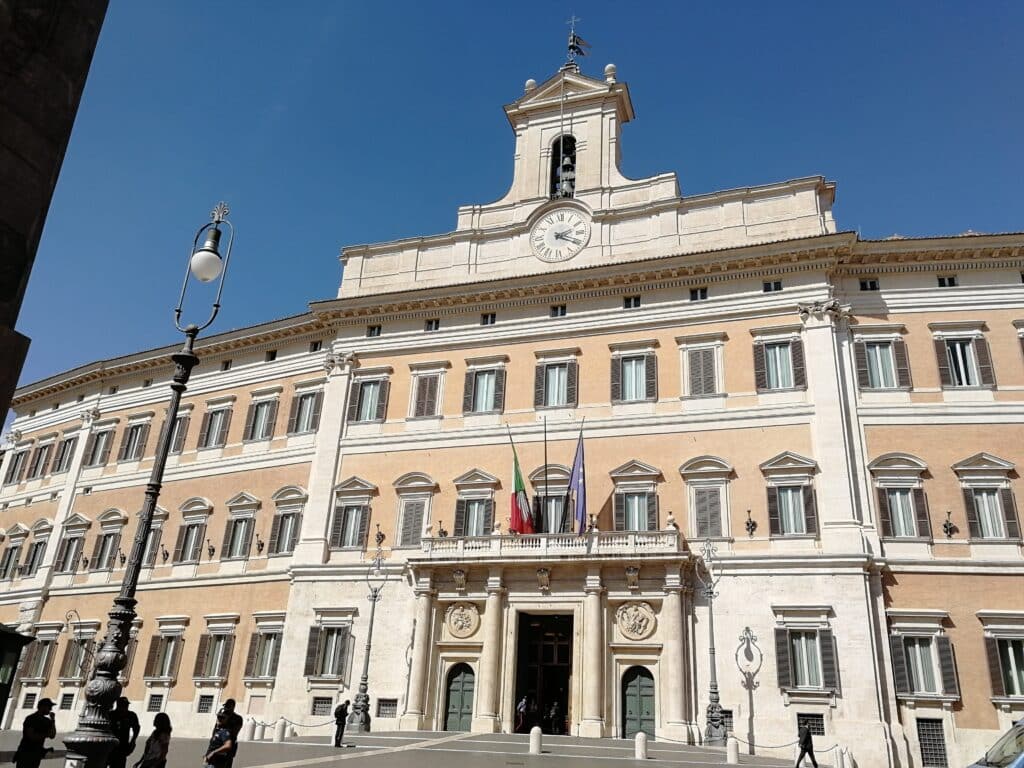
[[463, 619], [636, 620]]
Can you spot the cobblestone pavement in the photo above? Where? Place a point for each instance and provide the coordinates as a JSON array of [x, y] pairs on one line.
[[444, 750]]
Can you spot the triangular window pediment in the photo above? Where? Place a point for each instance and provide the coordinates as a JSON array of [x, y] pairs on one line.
[[787, 461], [983, 463], [476, 478], [17, 531], [635, 470], [243, 499], [77, 521], [355, 485]]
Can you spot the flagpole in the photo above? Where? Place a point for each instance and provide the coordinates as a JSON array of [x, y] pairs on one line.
[[544, 498]]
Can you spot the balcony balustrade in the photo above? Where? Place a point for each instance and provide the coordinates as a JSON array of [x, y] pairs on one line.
[[535, 545]]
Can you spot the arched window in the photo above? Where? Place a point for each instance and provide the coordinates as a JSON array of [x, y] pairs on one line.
[[563, 166]]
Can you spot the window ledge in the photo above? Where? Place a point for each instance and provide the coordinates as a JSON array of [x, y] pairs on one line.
[[153, 681], [882, 390], [1001, 540], [216, 681], [432, 417], [34, 681], [927, 697], [706, 395], [259, 682], [249, 440], [908, 539], [970, 388], [1003, 701], [71, 682], [303, 432], [781, 389], [482, 413], [792, 536], [289, 553]]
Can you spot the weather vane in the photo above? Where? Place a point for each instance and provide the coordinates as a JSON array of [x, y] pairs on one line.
[[577, 45]]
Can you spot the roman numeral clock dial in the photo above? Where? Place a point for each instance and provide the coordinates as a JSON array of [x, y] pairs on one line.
[[560, 234]]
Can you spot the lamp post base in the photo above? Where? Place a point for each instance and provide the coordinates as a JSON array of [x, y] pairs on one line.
[[715, 733]]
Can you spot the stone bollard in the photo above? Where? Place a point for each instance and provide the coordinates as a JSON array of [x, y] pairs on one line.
[[640, 746], [261, 731], [732, 750], [249, 730], [279, 728], [535, 739]]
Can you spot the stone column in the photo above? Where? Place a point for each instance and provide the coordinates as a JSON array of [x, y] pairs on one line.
[[487, 719], [594, 657], [673, 657], [415, 706]]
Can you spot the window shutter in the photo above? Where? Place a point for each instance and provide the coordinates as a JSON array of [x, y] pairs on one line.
[[228, 530], [810, 510], [345, 643], [122, 451], [947, 665], [715, 512], [459, 526], [695, 364], [499, 390], [420, 404], [250, 657], [68, 659], [247, 543], [293, 411], [179, 643], [318, 404], [467, 392], [199, 670], [884, 516], [222, 438], [796, 351], [620, 511], [567, 518], [103, 456], [178, 544], [538, 521], [272, 420], [353, 400], [538, 385], [774, 520], [995, 670], [900, 676], [783, 668], [973, 526], [62, 553], [899, 354], [433, 387], [860, 359], [616, 379], [204, 431], [275, 534], [337, 526], [197, 548], [250, 421], [28, 661], [90, 444], [829, 670], [985, 370], [412, 522], [94, 560], [277, 655], [924, 523], [225, 661], [652, 511], [708, 384], [152, 656], [1009, 513], [651, 376], [382, 399], [364, 524], [50, 648], [143, 440], [942, 358], [179, 440], [488, 516], [571, 388], [312, 648], [113, 552], [151, 558], [760, 373], [702, 513]]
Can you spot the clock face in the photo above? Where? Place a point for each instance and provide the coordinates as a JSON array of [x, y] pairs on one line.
[[560, 234]]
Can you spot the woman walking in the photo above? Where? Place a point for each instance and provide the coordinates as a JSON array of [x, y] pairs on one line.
[[155, 753]]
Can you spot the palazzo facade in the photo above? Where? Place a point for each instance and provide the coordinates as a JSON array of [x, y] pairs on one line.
[[839, 418]]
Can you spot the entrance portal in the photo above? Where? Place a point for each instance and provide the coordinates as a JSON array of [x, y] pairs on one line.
[[544, 672], [637, 702], [458, 711]]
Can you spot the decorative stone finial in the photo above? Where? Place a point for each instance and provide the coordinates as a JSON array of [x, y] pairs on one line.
[[609, 73], [530, 85]]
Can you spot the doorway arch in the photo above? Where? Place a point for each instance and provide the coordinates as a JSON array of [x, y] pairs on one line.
[[637, 702], [458, 706]]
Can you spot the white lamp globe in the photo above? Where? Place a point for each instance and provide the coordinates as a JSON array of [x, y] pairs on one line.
[[206, 265]]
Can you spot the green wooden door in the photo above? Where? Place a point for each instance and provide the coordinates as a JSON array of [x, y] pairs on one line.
[[459, 711], [637, 703]]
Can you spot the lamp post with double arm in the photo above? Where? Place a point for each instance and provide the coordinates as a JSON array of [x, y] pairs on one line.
[[359, 718], [89, 745], [714, 731]]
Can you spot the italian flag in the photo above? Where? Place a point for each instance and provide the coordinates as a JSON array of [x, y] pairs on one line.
[[521, 519]]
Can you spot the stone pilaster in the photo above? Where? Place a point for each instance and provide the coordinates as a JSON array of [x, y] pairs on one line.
[[673, 657], [414, 718], [488, 719], [594, 657]]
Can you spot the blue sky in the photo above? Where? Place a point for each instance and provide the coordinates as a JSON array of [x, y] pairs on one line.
[[328, 123]]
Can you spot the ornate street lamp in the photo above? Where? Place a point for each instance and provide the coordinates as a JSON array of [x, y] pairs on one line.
[[359, 717], [714, 732], [91, 742]]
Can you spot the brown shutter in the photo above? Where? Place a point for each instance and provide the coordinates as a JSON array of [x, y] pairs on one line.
[[947, 665], [28, 660], [702, 513], [247, 543], [312, 649], [199, 669], [774, 520], [810, 510], [616, 379], [277, 655], [382, 399], [1009, 513], [94, 560], [695, 364], [986, 372], [122, 451], [538, 385], [860, 359], [900, 676], [318, 404], [796, 351], [412, 522], [652, 511], [924, 523], [467, 392], [90, 444], [252, 654], [899, 354], [783, 667], [499, 390], [275, 533], [225, 662], [293, 411], [942, 358], [651, 376], [222, 438], [619, 509], [884, 515], [197, 549], [571, 386], [179, 543], [152, 656], [538, 516], [973, 526], [51, 648], [179, 438], [143, 440], [364, 524], [250, 420], [106, 450], [420, 403], [353, 400], [179, 643], [337, 526], [229, 528], [829, 670], [708, 385], [62, 552], [760, 372], [157, 533], [433, 390], [272, 420], [488, 516], [995, 670], [204, 431], [459, 526], [68, 658]]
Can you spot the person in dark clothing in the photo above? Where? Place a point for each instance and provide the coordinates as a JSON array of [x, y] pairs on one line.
[[806, 746], [37, 728], [555, 718], [126, 727], [340, 715], [233, 722], [218, 752]]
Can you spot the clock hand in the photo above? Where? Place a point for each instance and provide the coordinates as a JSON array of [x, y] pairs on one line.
[[572, 240]]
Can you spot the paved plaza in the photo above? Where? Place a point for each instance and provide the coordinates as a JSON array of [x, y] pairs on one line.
[[426, 749]]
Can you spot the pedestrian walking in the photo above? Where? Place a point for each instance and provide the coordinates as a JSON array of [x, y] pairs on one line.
[[234, 725], [521, 715], [37, 728], [154, 754], [340, 715], [218, 752], [125, 724], [556, 718], [806, 746]]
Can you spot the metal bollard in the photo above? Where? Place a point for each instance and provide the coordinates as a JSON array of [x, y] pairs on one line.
[[249, 730], [535, 740], [640, 746], [732, 750], [279, 730], [261, 731]]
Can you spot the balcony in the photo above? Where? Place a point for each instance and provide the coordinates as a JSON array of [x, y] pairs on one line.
[[542, 545]]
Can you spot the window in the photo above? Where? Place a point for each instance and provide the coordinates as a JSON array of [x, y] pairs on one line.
[[40, 460], [237, 539], [485, 391], [920, 664], [563, 166], [350, 525], [699, 294], [881, 363], [387, 707], [179, 432], [205, 705], [815, 722], [214, 431], [411, 529], [932, 741], [284, 532], [630, 302], [552, 514], [67, 701], [633, 378], [112, 391], [78, 657], [869, 284], [372, 331], [554, 384], [901, 509], [316, 346], [29, 702], [16, 468], [133, 442], [805, 660], [326, 651], [264, 653], [260, 420], [152, 547], [9, 560], [488, 318], [271, 356], [558, 310], [164, 655], [68, 554], [880, 367], [322, 706], [214, 656], [155, 702], [34, 559], [947, 281], [147, 383], [987, 521], [792, 511], [708, 512], [190, 541], [473, 517], [38, 658], [771, 286], [225, 365], [432, 324], [701, 376], [1010, 654], [305, 415], [962, 367], [964, 362], [727, 721], [425, 402], [634, 511], [105, 551], [778, 366], [65, 452], [368, 400]]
